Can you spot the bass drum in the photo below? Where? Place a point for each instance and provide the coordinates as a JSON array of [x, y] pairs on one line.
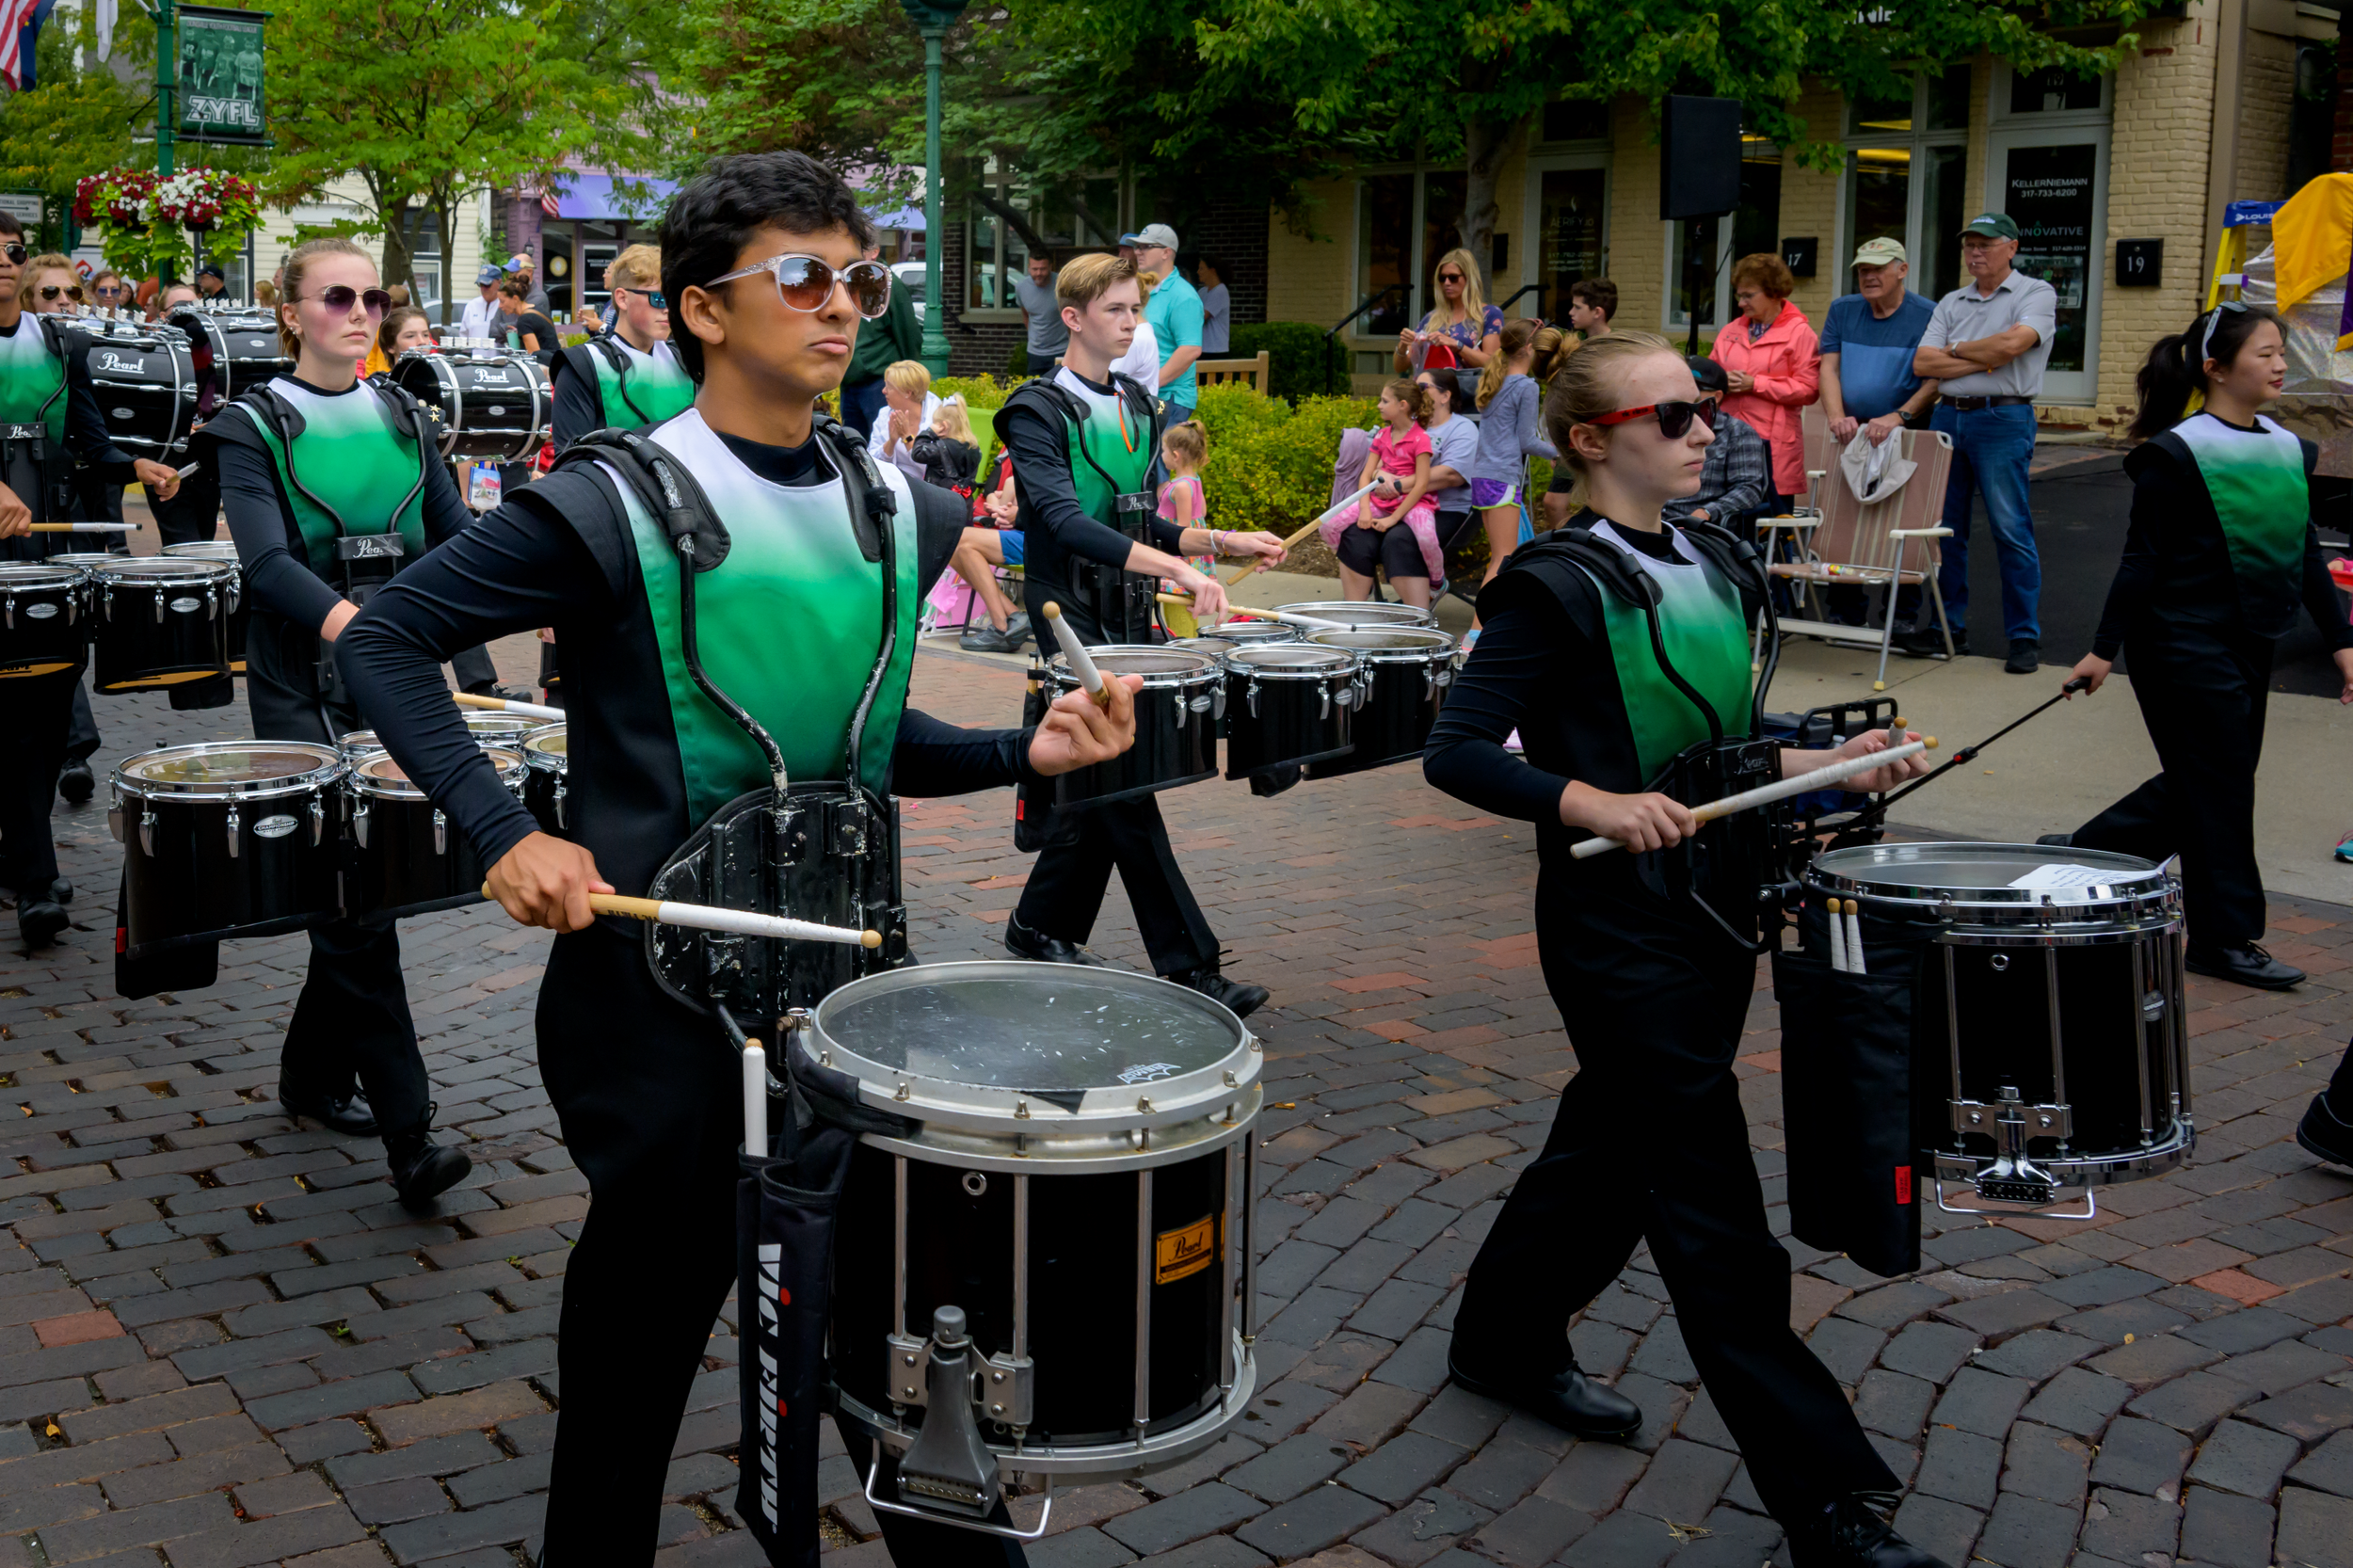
[[231, 352], [223, 549], [498, 408], [146, 382]]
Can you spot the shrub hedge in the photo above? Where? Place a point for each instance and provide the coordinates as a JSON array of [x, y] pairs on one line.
[[1301, 361]]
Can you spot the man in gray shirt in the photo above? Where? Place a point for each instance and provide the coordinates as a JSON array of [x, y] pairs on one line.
[[1987, 344], [1042, 315]]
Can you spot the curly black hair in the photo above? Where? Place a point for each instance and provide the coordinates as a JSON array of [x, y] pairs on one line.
[[710, 220]]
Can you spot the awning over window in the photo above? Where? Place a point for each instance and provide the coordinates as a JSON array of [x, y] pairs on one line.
[[590, 196]]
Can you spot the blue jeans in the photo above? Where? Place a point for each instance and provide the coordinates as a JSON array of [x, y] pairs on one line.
[[860, 402], [1991, 449]]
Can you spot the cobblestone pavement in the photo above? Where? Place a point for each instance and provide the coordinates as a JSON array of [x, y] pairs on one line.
[[221, 1343]]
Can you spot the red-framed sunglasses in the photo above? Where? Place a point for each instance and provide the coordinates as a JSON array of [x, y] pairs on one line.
[[1675, 419]]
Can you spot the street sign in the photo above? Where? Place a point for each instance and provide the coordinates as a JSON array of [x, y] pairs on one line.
[[27, 207]]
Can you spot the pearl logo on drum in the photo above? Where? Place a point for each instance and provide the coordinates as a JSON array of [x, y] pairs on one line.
[[274, 828], [186, 606], [40, 611], [109, 359]]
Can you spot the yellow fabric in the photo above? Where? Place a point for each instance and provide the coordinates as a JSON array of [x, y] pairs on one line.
[[2311, 238]]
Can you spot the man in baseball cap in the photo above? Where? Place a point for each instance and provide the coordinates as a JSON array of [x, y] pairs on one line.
[[1173, 313], [536, 297], [1868, 338], [482, 314], [1987, 346]]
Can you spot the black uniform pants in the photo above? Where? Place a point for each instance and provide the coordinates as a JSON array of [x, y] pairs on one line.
[[351, 1024], [35, 713], [651, 1100], [2202, 693], [1650, 1144], [1064, 892]]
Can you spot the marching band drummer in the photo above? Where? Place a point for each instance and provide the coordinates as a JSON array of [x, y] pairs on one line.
[[1653, 993], [48, 409], [629, 378], [312, 466], [766, 287]]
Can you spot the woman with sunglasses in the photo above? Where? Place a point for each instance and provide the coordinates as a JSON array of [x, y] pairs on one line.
[[1653, 993], [761, 266], [306, 462], [629, 378], [2220, 553], [1461, 324]]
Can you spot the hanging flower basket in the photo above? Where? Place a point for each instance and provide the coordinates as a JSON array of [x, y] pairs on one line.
[[146, 220]]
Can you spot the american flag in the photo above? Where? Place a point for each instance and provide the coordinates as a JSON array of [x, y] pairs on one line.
[[548, 202], [20, 24]]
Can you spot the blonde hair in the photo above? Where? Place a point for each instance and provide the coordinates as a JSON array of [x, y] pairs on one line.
[[907, 376], [1516, 338], [950, 421], [266, 293], [299, 262], [1474, 292], [639, 267], [1415, 397], [48, 261], [1589, 385], [1551, 350], [1187, 442], [1083, 281]]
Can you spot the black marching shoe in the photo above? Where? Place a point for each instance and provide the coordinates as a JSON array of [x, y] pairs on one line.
[[2247, 964], [1238, 997], [1568, 1399], [76, 782], [421, 1169], [1853, 1532], [2057, 840], [1024, 943], [2324, 1137], [2025, 656], [40, 922], [349, 1115]]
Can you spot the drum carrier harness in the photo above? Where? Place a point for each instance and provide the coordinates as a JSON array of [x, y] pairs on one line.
[[1121, 602], [32, 442]]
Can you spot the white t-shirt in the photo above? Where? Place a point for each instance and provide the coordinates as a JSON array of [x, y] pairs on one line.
[[1142, 363], [1216, 321], [481, 320], [878, 439]]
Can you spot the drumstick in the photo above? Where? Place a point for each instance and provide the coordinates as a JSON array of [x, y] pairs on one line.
[[188, 473], [1080, 664], [755, 1101], [528, 710], [1287, 617], [1854, 936], [704, 916], [1320, 517], [1837, 939], [1764, 794], [86, 528]]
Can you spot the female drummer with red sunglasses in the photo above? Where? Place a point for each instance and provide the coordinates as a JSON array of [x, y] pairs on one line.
[[1650, 1141]]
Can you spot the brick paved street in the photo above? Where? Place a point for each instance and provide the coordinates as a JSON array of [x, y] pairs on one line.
[[222, 1343]]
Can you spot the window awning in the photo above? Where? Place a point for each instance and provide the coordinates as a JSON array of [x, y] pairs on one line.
[[590, 196]]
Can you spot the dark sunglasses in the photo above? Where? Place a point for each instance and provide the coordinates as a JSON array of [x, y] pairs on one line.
[[51, 291], [1450, 277], [15, 252], [1675, 419], [654, 298], [342, 296], [806, 283]]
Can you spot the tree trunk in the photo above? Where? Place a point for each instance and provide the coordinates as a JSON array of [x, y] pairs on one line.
[[1012, 220], [397, 258], [445, 214], [1487, 146]]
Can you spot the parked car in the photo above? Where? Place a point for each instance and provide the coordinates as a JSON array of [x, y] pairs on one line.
[[910, 276]]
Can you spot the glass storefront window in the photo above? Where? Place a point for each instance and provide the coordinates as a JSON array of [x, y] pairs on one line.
[[1907, 183], [2054, 92], [1385, 252], [1441, 232], [2049, 191], [1948, 97], [1570, 210]]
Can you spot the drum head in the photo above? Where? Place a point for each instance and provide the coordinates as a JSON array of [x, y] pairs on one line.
[[1393, 642], [136, 571], [1300, 659], [506, 727], [25, 575], [86, 559], [1257, 632], [1216, 648], [1977, 876], [549, 740], [1364, 613], [204, 549], [378, 773], [227, 767]]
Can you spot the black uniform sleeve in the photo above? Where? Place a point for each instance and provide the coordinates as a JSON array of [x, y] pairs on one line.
[[446, 514], [85, 433], [1515, 665], [514, 570], [579, 405], [1041, 462], [2155, 487], [280, 581], [934, 757]]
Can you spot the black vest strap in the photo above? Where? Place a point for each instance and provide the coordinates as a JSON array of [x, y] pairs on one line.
[[662, 484]]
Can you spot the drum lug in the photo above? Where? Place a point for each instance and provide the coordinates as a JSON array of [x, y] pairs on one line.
[[1008, 1386], [318, 820], [1217, 700], [560, 792], [110, 601], [10, 618], [1252, 694], [114, 821], [359, 823], [2152, 1006], [2040, 1121], [147, 832], [234, 823], [441, 833], [1325, 709], [160, 596]]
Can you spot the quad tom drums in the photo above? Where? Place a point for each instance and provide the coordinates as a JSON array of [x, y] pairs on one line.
[[1176, 713], [242, 613], [41, 625], [1076, 1183], [2056, 986], [226, 836], [1289, 704], [498, 408], [161, 620], [1407, 670], [1253, 633], [407, 857]]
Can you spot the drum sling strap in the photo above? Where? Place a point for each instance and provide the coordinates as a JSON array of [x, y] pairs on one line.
[[1120, 600], [32, 440]]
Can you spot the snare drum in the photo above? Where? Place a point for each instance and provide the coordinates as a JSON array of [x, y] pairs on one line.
[[1079, 1184], [1287, 704], [407, 857], [496, 409], [145, 380], [242, 615], [1407, 670], [41, 624], [1363, 613], [226, 836], [2056, 984], [1183, 697], [161, 622], [488, 727], [546, 760], [231, 352]]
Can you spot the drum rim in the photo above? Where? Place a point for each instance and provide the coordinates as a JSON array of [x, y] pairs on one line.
[[1381, 609], [196, 549], [198, 571], [509, 772], [1207, 670], [1351, 664], [1263, 631], [40, 574], [328, 770], [2138, 880], [1437, 651], [1186, 1097], [555, 760]]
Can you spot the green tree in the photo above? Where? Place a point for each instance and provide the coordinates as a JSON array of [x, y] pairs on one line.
[[77, 121]]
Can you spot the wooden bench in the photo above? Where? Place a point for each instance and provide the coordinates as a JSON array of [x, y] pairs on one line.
[[1211, 373]]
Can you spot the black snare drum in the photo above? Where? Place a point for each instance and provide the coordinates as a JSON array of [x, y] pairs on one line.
[[41, 624], [159, 621], [1182, 699], [1407, 670], [231, 352], [498, 408], [1077, 1183], [1289, 703], [546, 760], [408, 857], [241, 614], [1363, 613], [226, 836], [146, 383]]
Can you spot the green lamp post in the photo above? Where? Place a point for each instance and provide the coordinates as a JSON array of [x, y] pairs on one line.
[[932, 19]]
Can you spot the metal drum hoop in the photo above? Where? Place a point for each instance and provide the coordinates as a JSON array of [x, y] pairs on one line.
[[330, 770], [1102, 1460], [1205, 665], [506, 760], [158, 571], [1361, 615]]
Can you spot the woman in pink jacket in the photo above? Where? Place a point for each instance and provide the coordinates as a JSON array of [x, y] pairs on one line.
[[1773, 361]]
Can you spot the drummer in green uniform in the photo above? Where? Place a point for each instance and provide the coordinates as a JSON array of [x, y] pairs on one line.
[[629, 378]]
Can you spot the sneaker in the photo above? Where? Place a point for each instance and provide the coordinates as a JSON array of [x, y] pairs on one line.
[[2025, 656], [976, 637], [2345, 848]]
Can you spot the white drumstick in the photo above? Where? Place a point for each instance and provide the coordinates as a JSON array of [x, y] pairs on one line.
[[755, 1101], [86, 528], [1764, 794], [1854, 936], [1837, 939], [188, 473], [528, 710], [1289, 617], [742, 922], [1080, 664]]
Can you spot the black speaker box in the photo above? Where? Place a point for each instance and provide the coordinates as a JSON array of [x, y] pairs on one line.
[[1699, 157]]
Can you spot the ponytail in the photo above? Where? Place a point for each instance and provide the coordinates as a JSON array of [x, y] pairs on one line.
[[1518, 334], [2175, 369], [1415, 397]]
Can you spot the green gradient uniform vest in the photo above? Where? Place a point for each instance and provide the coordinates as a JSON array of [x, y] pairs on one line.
[[1121, 442], [653, 388], [788, 625], [1700, 619], [2256, 481], [347, 470], [32, 379]]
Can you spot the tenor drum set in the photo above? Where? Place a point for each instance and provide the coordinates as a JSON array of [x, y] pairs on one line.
[[146, 621]]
